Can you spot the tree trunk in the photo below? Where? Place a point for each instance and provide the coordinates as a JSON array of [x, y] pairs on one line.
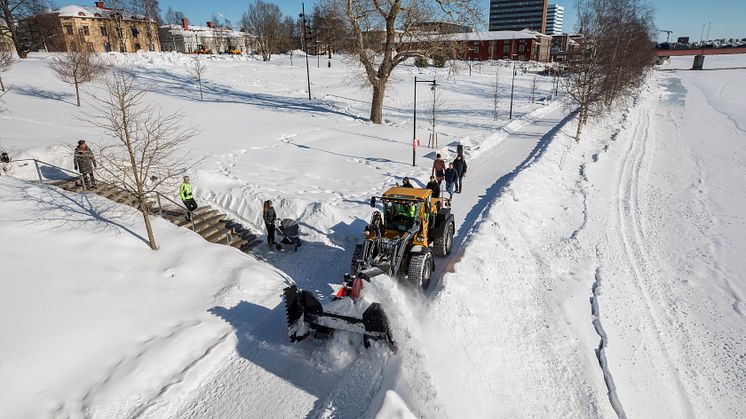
[[581, 118], [201, 97], [2, 86], [148, 227], [376, 107], [77, 93]]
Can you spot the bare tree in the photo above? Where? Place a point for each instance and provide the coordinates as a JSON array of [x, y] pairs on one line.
[[496, 92], [77, 66], [534, 83], [174, 17], [143, 150], [151, 9], [613, 58], [14, 11], [264, 20], [197, 69], [386, 34], [6, 62], [435, 116]]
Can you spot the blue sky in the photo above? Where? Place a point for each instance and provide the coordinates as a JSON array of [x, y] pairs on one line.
[[683, 17]]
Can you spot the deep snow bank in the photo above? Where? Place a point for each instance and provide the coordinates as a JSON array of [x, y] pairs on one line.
[[95, 324]]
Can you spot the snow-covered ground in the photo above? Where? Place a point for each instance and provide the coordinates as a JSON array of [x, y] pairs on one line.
[[593, 279]]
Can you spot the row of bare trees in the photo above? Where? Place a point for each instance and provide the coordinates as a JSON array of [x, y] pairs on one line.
[[614, 56]]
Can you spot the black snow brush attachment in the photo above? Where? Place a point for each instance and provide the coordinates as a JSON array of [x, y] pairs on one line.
[[307, 317]]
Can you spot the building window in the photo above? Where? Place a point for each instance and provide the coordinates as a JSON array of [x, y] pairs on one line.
[[86, 31], [506, 49], [521, 48], [122, 47], [89, 47], [476, 50], [151, 47], [137, 47], [135, 32], [107, 47], [69, 29], [104, 32]]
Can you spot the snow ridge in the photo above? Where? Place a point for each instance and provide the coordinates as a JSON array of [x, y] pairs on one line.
[[600, 351]]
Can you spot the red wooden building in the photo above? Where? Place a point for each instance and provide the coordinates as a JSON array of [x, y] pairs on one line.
[[525, 45]]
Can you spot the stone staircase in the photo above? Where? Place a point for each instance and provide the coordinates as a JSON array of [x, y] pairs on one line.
[[211, 224]]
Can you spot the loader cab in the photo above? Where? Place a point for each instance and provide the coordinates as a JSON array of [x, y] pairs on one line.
[[401, 215]]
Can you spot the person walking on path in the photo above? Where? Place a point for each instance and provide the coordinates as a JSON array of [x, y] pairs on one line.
[[459, 165], [185, 192], [434, 186], [451, 177], [84, 162], [269, 221], [439, 168]]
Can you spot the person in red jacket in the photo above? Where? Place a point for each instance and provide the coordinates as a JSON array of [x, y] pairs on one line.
[[439, 169]]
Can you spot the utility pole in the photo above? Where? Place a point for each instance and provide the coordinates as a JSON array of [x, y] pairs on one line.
[[305, 47], [414, 122]]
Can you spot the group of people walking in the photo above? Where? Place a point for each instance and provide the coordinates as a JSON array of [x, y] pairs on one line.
[[453, 175]]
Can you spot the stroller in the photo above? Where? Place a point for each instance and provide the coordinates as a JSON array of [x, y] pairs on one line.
[[290, 230]]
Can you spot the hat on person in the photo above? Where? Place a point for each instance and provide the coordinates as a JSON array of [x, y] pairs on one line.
[[81, 142]]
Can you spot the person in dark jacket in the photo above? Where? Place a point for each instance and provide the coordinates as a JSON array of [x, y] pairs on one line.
[[185, 193], [451, 177], [405, 183], [84, 162], [459, 165], [269, 222], [434, 186]]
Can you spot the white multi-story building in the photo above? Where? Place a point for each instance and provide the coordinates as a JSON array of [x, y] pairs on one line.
[[205, 39], [555, 16]]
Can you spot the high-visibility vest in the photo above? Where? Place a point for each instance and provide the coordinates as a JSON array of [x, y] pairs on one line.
[[185, 190]]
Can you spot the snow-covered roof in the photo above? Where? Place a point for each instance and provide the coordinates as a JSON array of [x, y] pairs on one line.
[[96, 13], [495, 35], [205, 31]]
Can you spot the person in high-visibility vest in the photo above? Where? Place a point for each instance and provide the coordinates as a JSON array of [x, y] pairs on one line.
[[185, 192]]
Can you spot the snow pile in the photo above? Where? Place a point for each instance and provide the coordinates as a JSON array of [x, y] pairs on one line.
[[103, 327]]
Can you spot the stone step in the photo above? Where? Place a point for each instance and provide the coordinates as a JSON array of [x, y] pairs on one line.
[[211, 224], [219, 236]]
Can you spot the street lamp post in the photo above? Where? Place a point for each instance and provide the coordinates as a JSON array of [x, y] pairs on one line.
[[512, 87], [305, 46], [414, 124]]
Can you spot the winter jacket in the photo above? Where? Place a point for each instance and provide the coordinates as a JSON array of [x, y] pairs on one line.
[[451, 175], [83, 160], [435, 187], [270, 216], [185, 191], [459, 165], [439, 167]]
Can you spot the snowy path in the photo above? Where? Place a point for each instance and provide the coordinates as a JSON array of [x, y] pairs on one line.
[[314, 379]]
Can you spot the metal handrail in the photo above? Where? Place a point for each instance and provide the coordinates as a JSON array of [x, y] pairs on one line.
[[80, 176], [158, 195], [38, 171]]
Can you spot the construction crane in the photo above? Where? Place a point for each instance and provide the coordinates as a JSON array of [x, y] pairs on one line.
[[668, 34]]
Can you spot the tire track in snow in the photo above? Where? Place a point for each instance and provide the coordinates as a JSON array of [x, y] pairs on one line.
[[634, 252]]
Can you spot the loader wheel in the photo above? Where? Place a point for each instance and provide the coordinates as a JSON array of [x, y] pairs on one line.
[[356, 256], [442, 245], [420, 270]]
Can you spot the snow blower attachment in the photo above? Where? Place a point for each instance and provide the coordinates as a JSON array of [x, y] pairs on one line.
[[399, 243], [307, 317]]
